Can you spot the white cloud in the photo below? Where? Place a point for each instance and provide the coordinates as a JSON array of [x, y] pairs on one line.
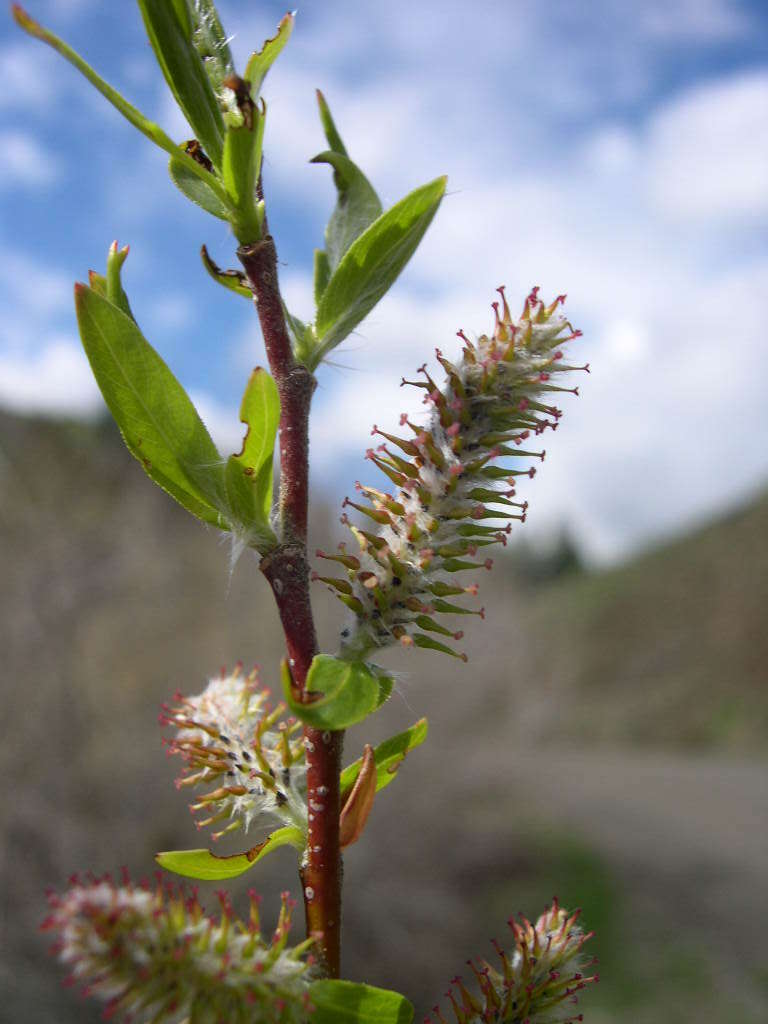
[[693, 19], [55, 379], [563, 173], [221, 420], [171, 311], [611, 150], [25, 71], [69, 8], [708, 151], [32, 290], [627, 340], [672, 329], [25, 162], [298, 291]]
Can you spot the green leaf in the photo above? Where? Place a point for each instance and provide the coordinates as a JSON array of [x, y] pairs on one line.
[[98, 283], [350, 689], [110, 286], [302, 335], [296, 327], [259, 64], [386, 685], [372, 264], [233, 280], [349, 1002], [210, 867], [331, 134], [242, 160], [249, 473], [357, 205], [114, 291], [240, 171], [185, 74], [322, 274], [388, 757], [129, 112], [159, 423], [202, 193], [211, 42], [184, 15]]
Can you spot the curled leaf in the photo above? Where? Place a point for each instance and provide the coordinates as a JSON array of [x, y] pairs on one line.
[[359, 803], [329, 126], [260, 63], [249, 473], [345, 693], [357, 206], [388, 757], [234, 280], [209, 867]]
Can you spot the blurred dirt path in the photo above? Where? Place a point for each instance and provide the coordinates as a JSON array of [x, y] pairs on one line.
[[689, 833], [661, 808]]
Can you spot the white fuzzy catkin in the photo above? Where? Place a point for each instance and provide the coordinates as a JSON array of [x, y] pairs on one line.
[[233, 740], [455, 481], [151, 954]]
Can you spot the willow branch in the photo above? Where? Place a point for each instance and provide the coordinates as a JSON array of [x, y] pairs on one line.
[[287, 570]]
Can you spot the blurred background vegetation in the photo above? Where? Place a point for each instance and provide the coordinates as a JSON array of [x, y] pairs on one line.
[[606, 742]]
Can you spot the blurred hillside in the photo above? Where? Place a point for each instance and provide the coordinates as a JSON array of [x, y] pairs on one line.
[[607, 740]]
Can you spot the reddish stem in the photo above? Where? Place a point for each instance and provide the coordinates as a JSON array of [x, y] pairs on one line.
[[295, 385], [287, 570]]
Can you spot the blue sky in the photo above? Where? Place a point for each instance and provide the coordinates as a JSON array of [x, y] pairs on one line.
[[613, 151]]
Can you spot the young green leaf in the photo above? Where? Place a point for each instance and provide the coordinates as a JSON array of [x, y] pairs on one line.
[[240, 171], [357, 205], [259, 64], [233, 280], [98, 283], [185, 74], [349, 1002], [372, 263], [249, 473], [302, 335], [210, 867], [322, 274], [182, 10], [159, 423], [152, 131], [386, 684], [211, 42], [183, 13], [329, 127], [113, 285], [388, 757], [242, 160], [350, 692], [201, 192]]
